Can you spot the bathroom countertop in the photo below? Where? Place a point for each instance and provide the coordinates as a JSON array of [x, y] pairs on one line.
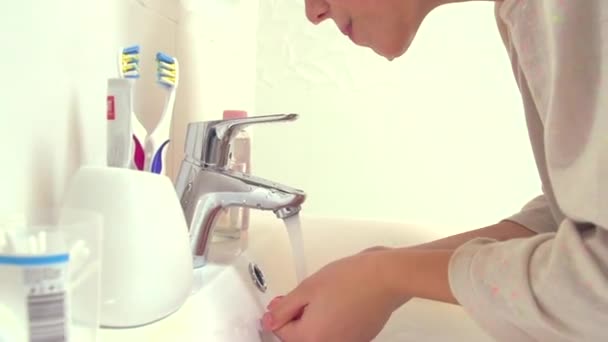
[[325, 239]]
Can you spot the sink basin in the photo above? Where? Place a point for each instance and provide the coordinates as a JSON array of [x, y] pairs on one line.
[[228, 298]]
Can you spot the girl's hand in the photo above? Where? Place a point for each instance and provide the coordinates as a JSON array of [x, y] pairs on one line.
[[348, 300]]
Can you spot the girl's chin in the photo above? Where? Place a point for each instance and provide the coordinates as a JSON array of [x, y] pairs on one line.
[[395, 50], [388, 50], [390, 53]]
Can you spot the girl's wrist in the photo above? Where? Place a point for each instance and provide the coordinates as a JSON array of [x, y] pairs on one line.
[[392, 274], [407, 273]]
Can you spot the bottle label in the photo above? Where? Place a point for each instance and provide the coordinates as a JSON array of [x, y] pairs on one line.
[[33, 293]]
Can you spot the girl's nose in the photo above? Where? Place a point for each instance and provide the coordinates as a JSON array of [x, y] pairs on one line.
[[317, 10]]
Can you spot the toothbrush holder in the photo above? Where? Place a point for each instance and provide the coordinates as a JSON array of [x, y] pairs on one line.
[[147, 266]]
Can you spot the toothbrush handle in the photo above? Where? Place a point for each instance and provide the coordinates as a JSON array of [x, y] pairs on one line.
[[138, 154], [157, 161]]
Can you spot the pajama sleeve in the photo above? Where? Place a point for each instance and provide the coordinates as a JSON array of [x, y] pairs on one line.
[[536, 215], [554, 286]]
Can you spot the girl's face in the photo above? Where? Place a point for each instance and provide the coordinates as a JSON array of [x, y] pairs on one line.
[[386, 26]]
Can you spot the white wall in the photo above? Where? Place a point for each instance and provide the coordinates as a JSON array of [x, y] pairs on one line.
[[53, 95], [217, 45], [57, 56], [60, 54], [436, 137]]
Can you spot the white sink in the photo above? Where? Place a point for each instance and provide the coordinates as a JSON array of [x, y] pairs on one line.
[[228, 305]]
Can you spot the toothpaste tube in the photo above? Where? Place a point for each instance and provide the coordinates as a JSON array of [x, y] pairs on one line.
[[118, 116]]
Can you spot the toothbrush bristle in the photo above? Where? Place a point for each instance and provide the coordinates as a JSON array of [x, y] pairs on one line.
[[131, 74], [130, 61], [126, 67], [130, 50], [162, 57], [166, 81], [166, 72], [166, 66]]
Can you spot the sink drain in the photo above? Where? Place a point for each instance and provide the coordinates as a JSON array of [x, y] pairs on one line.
[[258, 277]]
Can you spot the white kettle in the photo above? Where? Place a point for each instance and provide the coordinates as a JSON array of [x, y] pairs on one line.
[[146, 266]]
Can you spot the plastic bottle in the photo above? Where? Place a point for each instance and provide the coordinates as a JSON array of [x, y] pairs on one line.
[[235, 220]]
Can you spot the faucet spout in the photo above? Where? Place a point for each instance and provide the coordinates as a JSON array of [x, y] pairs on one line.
[[214, 190]]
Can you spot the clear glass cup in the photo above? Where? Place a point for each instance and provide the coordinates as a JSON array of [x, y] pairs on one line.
[[50, 266]]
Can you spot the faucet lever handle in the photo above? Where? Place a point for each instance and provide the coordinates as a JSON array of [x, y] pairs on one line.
[[208, 142], [231, 127]]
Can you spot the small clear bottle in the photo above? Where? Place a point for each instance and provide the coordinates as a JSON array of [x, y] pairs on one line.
[[234, 221]]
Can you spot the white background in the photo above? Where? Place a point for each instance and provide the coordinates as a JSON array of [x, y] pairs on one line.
[[436, 137]]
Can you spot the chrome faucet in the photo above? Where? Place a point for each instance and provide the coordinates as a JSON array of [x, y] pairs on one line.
[[205, 185]]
